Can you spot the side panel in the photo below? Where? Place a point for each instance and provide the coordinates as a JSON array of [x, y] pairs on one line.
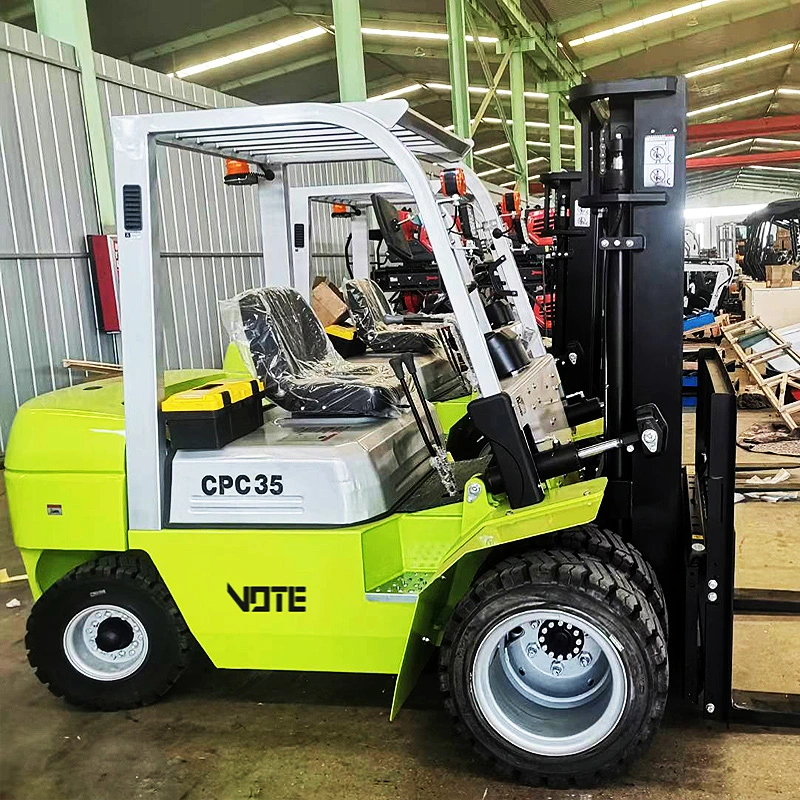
[[58, 511], [301, 602]]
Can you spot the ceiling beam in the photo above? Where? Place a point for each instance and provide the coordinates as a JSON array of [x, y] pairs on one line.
[[601, 12], [729, 18], [369, 15], [423, 50], [743, 128], [743, 160], [277, 72], [546, 43], [209, 35]]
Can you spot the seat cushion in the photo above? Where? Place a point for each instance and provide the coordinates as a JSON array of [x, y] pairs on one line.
[[368, 305], [301, 370]]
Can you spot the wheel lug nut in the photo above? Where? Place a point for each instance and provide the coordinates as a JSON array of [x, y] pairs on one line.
[[531, 650], [585, 659], [556, 668]]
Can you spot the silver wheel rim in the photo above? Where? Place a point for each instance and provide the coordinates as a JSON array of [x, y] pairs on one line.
[[549, 682], [94, 639]]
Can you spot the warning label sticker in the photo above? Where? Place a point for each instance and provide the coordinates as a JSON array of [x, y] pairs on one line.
[[659, 160]]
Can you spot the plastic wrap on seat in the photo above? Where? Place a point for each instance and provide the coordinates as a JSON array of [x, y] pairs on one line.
[[368, 305], [279, 335]]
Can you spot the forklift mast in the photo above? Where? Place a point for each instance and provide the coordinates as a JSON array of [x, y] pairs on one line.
[[622, 303]]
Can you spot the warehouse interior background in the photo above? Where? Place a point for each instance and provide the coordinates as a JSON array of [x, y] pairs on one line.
[[66, 66], [498, 72]]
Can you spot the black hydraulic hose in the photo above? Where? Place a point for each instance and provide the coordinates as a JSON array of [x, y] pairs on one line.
[[396, 363], [408, 360]]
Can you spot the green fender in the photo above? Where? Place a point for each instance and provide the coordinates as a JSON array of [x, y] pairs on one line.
[[486, 523]]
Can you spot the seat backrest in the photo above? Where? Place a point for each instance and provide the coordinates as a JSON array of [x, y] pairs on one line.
[[286, 339], [368, 305]]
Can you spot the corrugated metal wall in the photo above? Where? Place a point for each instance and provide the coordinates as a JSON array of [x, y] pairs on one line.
[[211, 235], [47, 206], [211, 242]]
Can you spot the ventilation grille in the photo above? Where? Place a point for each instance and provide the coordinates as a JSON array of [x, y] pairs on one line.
[[132, 207]]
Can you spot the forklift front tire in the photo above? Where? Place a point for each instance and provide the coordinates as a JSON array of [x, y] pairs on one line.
[[108, 635], [555, 667]]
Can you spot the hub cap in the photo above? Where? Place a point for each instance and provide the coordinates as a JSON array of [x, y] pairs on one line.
[[106, 643], [549, 682]]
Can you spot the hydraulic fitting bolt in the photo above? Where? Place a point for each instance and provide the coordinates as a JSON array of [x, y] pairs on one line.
[[712, 597], [556, 668], [712, 584], [710, 708], [585, 659]]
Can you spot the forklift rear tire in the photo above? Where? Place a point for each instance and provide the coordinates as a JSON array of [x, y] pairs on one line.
[[108, 635], [554, 666]]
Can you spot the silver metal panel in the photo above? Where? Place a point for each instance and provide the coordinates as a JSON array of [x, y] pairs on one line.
[[323, 472], [436, 374], [535, 393]]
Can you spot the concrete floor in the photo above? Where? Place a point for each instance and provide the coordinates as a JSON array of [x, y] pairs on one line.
[[291, 736]]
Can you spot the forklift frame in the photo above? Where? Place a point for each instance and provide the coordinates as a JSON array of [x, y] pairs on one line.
[[272, 138]]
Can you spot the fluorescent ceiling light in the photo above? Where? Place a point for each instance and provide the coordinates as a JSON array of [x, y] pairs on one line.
[[547, 144], [267, 47], [640, 23], [412, 87], [746, 99], [442, 37], [773, 169], [719, 149], [446, 87], [544, 125], [792, 142], [733, 212], [789, 91], [504, 145], [737, 61], [530, 161], [492, 149]]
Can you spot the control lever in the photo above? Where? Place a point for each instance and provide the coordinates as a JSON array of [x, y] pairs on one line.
[[494, 279], [433, 443]]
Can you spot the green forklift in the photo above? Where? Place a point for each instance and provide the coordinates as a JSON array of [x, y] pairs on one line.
[[308, 517]]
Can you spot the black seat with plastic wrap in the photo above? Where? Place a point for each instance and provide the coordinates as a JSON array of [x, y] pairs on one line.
[[300, 369], [368, 305]]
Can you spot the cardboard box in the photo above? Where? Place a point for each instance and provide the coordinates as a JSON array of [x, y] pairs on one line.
[[327, 302], [779, 276]]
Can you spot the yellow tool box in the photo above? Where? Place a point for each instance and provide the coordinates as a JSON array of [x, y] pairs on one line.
[[209, 417], [345, 340]]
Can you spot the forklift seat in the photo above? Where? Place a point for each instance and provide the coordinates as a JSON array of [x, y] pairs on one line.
[[301, 371], [368, 305]]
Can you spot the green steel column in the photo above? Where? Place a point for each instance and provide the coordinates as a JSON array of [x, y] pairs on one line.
[[457, 54], [349, 51], [516, 70], [554, 118], [67, 21], [576, 140]]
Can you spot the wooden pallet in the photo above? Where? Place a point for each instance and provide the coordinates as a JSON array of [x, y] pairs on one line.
[[777, 389]]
